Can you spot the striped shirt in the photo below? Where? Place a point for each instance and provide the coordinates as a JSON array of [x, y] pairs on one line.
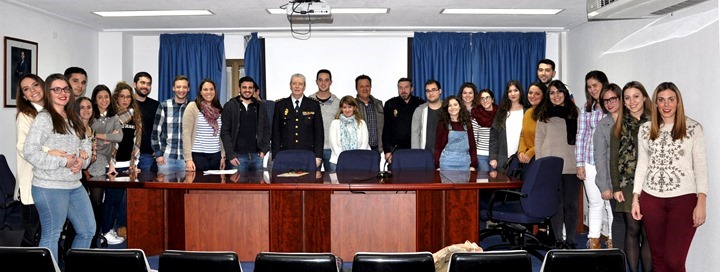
[[587, 121], [482, 138], [167, 129], [205, 142]]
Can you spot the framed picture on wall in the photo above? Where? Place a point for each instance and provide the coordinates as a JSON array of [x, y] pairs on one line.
[[21, 58]]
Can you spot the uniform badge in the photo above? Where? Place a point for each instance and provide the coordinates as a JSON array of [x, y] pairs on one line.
[[286, 111], [395, 113]]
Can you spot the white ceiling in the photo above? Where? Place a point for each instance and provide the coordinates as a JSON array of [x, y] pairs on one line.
[[250, 15]]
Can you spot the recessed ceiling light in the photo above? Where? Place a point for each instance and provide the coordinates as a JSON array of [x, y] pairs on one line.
[[277, 11], [144, 13], [502, 11]]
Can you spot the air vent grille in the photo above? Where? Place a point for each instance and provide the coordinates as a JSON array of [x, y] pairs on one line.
[[677, 7], [602, 3]]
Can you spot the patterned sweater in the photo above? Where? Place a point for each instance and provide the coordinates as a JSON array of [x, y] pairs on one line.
[[667, 168], [49, 171]]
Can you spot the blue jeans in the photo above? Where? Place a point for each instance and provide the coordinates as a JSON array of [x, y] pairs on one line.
[[329, 167], [249, 162], [146, 162], [483, 163], [56, 205], [171, 166]]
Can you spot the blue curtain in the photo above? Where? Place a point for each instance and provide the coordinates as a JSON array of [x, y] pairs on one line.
[[197, 56], [443, 56], [254, 65], [487, 59], [499, 57]]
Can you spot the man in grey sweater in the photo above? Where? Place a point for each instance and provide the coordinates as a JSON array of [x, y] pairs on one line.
[[329, 106]]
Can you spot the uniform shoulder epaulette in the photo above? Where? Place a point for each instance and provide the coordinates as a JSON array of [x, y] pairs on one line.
[[313, 98], [280, 99]]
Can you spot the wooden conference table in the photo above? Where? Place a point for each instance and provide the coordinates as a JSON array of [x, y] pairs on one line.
[[343, 214]]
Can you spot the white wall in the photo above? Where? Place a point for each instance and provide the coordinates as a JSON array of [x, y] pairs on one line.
[[60, 45], [683, 48]]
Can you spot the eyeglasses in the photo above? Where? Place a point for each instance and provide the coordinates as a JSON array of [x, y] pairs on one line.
[[431, 90], [613, 99], [58, 90], [486, 98]]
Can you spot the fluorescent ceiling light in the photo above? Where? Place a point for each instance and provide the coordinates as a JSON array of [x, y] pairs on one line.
[[145, 13], [502, 11], [277, 11]]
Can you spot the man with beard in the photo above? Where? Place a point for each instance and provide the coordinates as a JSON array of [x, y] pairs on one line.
[[425, 118], [245, 133], [167, 129], [398, 118], [142, 82]]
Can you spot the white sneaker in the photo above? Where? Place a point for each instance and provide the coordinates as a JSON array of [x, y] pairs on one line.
[[112, 238]]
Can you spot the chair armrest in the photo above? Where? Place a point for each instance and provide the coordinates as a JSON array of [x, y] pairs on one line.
[[505, 193], [10, 204]]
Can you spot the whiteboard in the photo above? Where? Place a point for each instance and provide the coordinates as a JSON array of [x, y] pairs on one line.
[[383, 58]]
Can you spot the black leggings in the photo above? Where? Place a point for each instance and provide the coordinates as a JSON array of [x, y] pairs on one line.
[[636, 247]]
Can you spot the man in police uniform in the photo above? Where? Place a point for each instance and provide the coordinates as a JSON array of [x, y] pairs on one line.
[[297, 122]]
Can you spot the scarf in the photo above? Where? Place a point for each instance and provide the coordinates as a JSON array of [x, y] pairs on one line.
[[484, 117], [211, 115], [348, 132], [628, 150], [570, 124]]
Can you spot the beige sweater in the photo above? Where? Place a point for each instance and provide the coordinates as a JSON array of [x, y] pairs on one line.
[[678, 167], [551, 140], [189, 127]]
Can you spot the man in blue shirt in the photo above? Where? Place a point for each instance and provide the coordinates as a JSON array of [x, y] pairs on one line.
[[167, 129]]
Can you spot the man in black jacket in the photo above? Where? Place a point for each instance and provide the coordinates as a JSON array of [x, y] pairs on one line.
[[245, 132], [398, 118]]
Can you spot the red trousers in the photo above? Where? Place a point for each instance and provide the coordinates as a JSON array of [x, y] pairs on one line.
[[669, 226]]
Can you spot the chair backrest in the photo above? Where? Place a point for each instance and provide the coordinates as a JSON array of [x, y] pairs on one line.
[[106, 260], [295, 262], [190, 261], [358, 160], [7, 186], [571, 260], [513, 260], [542, 187], [412, 160], [395, 262], [294, 159], [38, 259]]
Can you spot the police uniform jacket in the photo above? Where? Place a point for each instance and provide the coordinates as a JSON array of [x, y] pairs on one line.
[[301, 129]]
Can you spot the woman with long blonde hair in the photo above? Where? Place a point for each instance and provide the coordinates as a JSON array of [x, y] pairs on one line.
[[348, 131]]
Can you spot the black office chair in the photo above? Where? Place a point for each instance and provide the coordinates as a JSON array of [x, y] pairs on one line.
[[191, 261], [515, 260], [36, 259], [538, 200], [596, 260], [393, 262], [358, 161], [106, 260], [412, 160], [296, 262], [8, 206], [294, 159]]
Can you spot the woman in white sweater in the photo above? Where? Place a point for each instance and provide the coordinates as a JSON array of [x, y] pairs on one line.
[[30, 101], [671, 181], [348, 131], [56, 187], [202, 147]]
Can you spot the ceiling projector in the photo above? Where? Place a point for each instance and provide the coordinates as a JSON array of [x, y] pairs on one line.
[[312, 11]]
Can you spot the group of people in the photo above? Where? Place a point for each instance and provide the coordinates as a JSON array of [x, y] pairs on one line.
[[628, 150]]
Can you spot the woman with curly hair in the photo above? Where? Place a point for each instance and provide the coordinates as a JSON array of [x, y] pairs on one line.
[[455, 141]]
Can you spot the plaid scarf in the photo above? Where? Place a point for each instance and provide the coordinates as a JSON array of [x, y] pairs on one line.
[[211, 115]]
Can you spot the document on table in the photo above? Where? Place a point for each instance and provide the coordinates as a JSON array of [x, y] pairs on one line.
[[219, 172], [292, 174]]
